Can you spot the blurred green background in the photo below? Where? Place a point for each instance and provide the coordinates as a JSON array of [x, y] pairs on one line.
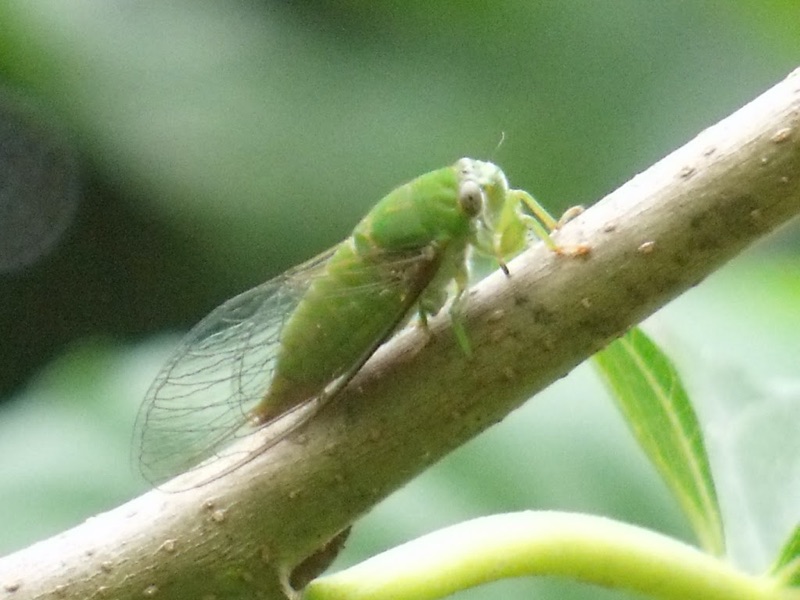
[[157, 158]]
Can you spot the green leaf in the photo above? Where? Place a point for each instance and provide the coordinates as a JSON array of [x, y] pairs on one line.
[[649, 392], [787, 567]]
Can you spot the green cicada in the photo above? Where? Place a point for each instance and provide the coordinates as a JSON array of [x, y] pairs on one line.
[[301, 337]]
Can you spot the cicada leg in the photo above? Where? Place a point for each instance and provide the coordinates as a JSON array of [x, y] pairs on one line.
[[434, 298], [457, 311], [542, 223]]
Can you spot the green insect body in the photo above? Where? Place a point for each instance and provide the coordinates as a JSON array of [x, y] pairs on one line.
[[416, 236], [301, 337]]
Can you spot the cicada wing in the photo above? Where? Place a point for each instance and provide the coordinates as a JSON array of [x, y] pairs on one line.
[[203, 397]]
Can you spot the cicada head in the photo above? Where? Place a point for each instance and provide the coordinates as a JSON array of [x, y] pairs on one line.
[[490, 180]]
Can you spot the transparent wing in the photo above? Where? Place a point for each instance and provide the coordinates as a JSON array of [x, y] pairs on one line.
[[202, 398]]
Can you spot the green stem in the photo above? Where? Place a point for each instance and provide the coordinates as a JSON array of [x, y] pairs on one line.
[[585, 548]]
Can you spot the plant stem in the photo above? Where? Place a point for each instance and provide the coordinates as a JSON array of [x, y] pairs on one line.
[[584, 548]]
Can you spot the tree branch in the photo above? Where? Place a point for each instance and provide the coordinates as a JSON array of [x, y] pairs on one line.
[[419, 398]]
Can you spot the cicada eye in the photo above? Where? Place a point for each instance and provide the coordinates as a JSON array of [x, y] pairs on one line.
[[470, 198]]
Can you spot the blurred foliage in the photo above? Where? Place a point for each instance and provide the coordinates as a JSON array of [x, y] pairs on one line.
[[219, 143]]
